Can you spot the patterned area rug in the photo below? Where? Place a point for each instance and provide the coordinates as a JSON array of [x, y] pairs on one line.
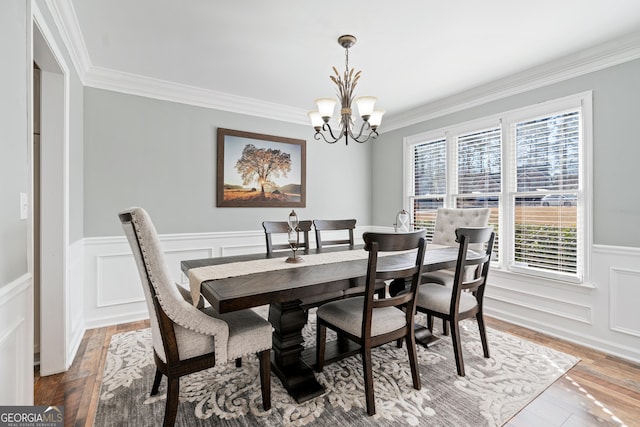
[[492, 391]]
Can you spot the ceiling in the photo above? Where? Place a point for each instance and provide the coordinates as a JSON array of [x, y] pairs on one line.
[[411, 53]]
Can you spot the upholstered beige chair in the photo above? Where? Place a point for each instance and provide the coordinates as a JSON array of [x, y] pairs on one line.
[[188, 339], [372, 322], [447, 221], [465, 298]]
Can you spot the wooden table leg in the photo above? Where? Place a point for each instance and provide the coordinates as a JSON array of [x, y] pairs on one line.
[[297, 377]]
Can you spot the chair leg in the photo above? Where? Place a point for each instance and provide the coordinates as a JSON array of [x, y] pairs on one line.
[[321, 337], [265, 378], [430, 322], [413, 360], [445, 327], [171, 408], [368, 381], [457, 347], [156, 382], [483, 334], [239, 362]]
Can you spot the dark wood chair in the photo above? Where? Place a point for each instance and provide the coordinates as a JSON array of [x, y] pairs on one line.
[[371, 322], [188, 338], [273, 228], [465, 298], [328, 225], [345, 225]]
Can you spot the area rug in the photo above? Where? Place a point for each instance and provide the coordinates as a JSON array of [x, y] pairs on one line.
[[492, 391]]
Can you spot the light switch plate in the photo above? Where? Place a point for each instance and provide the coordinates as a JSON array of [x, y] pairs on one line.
[[24, 206]]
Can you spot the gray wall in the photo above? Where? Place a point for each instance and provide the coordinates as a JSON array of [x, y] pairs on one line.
[[616, 150], [14, 162], [161, 156]]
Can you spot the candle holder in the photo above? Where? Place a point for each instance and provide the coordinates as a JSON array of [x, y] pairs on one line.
[[294, 238]]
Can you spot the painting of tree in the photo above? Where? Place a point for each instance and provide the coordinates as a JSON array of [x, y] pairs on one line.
[[261, 165], [256, 170]]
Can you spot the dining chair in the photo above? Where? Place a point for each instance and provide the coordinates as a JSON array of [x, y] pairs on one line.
[[188, 339], [465, 298], [345, 225], [372, 322], [448, 220], [274, 228], [333, 225]]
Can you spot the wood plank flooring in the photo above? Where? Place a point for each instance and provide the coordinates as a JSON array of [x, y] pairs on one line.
[[601, 390]]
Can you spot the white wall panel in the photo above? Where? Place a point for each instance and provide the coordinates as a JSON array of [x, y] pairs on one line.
[[625, 295], [601, 315], [114, 293], [16, 342]]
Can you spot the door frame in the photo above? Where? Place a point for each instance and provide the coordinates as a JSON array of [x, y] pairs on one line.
[[54, 236]]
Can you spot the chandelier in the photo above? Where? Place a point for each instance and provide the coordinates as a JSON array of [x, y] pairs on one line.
[[346, 84]]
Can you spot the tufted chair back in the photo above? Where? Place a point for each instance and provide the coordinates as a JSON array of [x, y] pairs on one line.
[[448, 220]]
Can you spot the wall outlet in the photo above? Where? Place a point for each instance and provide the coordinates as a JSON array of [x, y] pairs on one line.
[[24, 206]]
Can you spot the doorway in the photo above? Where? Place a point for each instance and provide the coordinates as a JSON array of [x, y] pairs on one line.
[[52, 200]]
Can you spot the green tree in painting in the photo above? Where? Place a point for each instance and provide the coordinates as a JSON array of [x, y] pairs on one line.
[[262, 165]]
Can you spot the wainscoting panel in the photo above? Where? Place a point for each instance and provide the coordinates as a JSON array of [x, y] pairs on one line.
[[601, 314], [113, 280], [16, 342], [114, 294], [625, 295]]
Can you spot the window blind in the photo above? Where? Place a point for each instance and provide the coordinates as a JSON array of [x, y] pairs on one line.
[[429, 163], [546, 202]]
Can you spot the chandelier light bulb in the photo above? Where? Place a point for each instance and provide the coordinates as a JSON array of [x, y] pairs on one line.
[[376, 118], [326, 107], [365, 106], [316, 119]]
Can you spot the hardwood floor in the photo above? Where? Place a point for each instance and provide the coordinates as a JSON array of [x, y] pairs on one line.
[[601, 390]]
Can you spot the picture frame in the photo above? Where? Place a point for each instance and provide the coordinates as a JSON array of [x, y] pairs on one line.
[[257, 170]]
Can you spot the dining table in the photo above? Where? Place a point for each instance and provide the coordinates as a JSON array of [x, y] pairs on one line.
[[239, 282]]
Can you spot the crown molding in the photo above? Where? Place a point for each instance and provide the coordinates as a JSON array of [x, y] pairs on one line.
[[133, 84], [602, 56], [64, 17], [605, 55]]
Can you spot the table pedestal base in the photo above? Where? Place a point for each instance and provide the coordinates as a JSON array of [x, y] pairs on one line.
[[288, 319]]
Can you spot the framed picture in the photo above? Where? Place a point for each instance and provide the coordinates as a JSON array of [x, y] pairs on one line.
[[256, 170]]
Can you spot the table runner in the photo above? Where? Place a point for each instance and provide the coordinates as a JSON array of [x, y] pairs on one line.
[[243, 268]]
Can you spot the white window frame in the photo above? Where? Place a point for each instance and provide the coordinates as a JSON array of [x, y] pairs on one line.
[[506, 120]]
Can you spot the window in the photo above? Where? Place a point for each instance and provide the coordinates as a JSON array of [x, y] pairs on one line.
[[529, 166]]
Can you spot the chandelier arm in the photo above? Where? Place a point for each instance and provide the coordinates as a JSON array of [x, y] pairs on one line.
[[320, 134], [327, 128], [373, 134], [362, 128]]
